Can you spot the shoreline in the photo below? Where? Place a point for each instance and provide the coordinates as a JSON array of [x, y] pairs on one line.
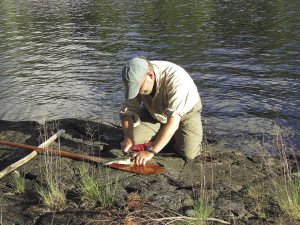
[[224, 176]]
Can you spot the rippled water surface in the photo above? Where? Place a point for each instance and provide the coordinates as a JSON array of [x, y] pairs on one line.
[[61, 59]]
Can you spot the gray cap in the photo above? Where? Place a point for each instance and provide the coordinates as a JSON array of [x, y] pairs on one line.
[[133, 73]]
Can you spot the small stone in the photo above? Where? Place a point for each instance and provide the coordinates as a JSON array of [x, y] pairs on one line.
[[190, 212]]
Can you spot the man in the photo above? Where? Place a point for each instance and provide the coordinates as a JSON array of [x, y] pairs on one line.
[[161, 102]]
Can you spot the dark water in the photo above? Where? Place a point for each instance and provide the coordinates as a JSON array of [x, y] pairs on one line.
[[61, 59]]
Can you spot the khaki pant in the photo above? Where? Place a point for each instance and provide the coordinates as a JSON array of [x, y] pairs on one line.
[[187, 138]]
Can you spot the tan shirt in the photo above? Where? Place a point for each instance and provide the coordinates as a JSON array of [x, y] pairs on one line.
[[176, 94]]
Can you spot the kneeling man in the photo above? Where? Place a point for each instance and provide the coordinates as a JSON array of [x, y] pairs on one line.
[[161, 102]]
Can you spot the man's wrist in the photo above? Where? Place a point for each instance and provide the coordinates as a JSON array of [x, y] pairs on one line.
[[150, 149]]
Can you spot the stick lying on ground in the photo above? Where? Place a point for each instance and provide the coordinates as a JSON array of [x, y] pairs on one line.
[[17, 164], [50, 140], [146, 170], [27, 158]]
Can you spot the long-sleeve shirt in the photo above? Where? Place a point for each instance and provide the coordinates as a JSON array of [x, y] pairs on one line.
[[175, 94]]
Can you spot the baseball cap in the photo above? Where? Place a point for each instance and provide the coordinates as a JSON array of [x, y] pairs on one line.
[[133, 73]]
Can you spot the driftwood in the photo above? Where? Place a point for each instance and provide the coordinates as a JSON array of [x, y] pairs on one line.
[[27, 158], [17, 164], [52, 139]]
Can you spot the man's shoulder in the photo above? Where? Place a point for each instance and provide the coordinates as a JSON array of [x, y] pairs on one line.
[[164, 64]]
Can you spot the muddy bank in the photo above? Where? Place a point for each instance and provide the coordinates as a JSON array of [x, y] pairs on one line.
[[221, 175]]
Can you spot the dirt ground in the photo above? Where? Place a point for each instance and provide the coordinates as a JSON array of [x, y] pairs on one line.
[[222, 176]]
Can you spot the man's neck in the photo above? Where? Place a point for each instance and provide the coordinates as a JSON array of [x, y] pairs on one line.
[[154, 87]]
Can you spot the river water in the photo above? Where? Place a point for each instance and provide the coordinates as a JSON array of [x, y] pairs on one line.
[[63, 58]]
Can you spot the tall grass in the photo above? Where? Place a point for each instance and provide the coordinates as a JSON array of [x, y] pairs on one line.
[[288, 192], [259, 199], [203, 206], [285, 186], [288, 197], [52, 193]]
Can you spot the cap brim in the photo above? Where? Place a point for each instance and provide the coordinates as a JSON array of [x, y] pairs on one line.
[[132, 91]]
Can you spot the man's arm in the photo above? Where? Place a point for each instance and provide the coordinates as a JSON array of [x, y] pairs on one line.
[[128, 112], [166, 133], [161, 140], [127, 126]]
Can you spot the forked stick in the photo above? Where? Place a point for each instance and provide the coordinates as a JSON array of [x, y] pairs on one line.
[[27, 158]]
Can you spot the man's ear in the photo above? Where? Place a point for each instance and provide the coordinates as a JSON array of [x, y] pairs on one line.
[[151, 74]]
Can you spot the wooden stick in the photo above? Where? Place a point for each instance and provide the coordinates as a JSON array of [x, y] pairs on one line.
[[17, 164], [52, 139], [27, 158], [146, 169]]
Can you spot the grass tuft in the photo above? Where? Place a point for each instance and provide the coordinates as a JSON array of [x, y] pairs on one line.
[[288, 197], [18, 183], [203, 210], [53, 195], [95, 188]]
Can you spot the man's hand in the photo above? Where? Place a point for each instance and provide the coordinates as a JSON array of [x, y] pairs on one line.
[[127, 126], [126, 145], [141, 157]]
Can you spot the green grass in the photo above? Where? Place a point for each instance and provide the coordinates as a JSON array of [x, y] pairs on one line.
[[284, 189], [18, 183], [53, 195], [288, 197], [95, 188], [288, 192], [203, 209]]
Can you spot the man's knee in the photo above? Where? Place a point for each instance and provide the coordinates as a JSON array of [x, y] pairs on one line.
[[145, 132], [139, 136], [189, 154]]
